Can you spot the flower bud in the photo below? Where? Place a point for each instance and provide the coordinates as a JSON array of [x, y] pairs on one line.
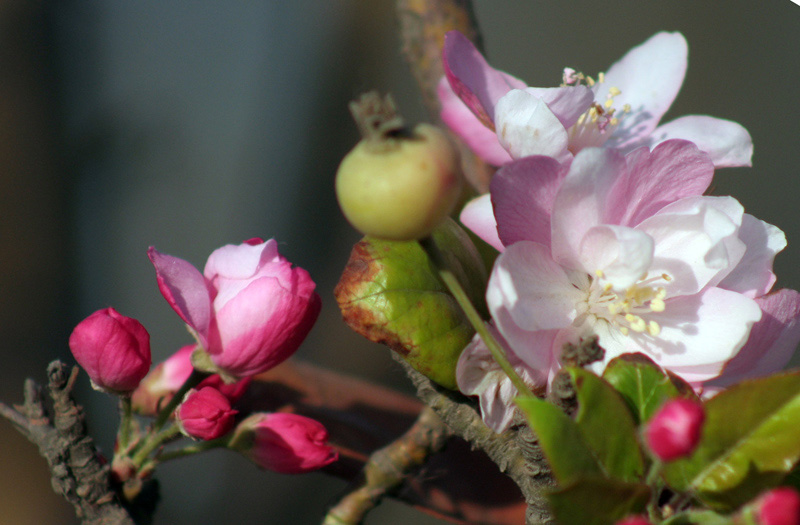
[[113, 349], [250, 309], [779, 506], [674, 430], [397, 183], [205, 414], [635, 520], [158, 387], [286, 443]]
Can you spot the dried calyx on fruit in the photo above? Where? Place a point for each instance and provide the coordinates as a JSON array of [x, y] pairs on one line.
[[398, 183]]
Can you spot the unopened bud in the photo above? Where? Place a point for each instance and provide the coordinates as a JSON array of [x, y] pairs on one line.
[[674, 430]]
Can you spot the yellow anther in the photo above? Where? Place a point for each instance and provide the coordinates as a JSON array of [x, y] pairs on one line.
[[623, 330], [608, 103], [601, 77], [657, 305], [613, 308], [599, 273], [666, 277], [589, 81], [614, 121], [638, 325], [626, 108], [607, 287], [614, 91], [653, 328]]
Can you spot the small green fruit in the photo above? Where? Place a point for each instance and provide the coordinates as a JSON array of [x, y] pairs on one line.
[[399, 185]]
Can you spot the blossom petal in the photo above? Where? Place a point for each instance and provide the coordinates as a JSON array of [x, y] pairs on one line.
[[673, 170], [772, 341], [478, 84], [649, 77], [240, 261], [532, 287], [185, 289], [617, 254], [526, 126], [522, 194], [699, 333], [478, 216], [581, 202], [728, 143], [753, 275], [480, 139], [696, 242], [567, 103]]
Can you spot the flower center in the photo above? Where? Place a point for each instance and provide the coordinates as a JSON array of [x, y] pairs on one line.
[[627, 310], [598, 123]]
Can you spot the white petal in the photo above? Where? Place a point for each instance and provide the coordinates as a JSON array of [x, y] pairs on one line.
[[566, 103], [532, 287], [478, 216], [526, 126], [621, 254], [726, 142], [696, 242], [753, 275]]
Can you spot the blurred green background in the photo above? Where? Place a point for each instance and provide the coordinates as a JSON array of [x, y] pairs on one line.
[[189, 125]]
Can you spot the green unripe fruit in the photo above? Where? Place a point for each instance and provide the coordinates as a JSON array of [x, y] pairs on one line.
[[399, 185]]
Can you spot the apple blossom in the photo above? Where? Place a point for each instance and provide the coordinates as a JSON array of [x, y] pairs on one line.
[[625, 247], [249, 309], [286, 443], [205, 414], [158, 386], [674, 431], [113, 349], [501, 118]]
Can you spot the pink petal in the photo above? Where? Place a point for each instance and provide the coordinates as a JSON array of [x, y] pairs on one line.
[[772, 341], [240, 261], [753, 275], [567, 103], [526, 126], [532, 287], [673, 170], [726, 142], [523, 192], [649, 77], [581, 203], [478, 84], [185, 289], [480, 139], [621, 254], [478, 216]]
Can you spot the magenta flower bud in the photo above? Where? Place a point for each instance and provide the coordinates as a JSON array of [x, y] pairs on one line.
[[635, 520], [779, 506], [286, 443], [158, 387], [250, 309], [113, 349], [205, 414], [674, 430]]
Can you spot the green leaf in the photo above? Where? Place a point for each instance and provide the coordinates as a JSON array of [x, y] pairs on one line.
[[698, 517], [391, 293], [561, 440], [643, 384], [607, 426], [750, 442], [597, 501]]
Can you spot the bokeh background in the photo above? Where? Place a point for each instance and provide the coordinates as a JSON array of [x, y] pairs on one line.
[[189, 125]]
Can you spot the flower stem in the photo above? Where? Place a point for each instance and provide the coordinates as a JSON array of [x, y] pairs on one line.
[[194, 448], [437, 258], [125, 420], [192, 381], [153, 441]]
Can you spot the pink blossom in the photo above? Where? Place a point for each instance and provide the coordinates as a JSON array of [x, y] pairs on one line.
[[158, 387], [674, 431], [249, 310], [113, 349], [286, 443], [205, 414], [501, 118], [779, 506], [625, 247]]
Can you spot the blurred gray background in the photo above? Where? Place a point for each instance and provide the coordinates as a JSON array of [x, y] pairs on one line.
[[189, 125]]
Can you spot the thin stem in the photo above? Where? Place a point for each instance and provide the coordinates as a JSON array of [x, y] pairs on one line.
[[125, 420], [153, 441], [429, 245], [194, 448], [192, 381]]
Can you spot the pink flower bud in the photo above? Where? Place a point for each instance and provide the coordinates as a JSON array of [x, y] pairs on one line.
[[113, 349], [674, 430], [780, 506], [635, 520], [250, 309], [286, 443], [205, 414], [158, 387]]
